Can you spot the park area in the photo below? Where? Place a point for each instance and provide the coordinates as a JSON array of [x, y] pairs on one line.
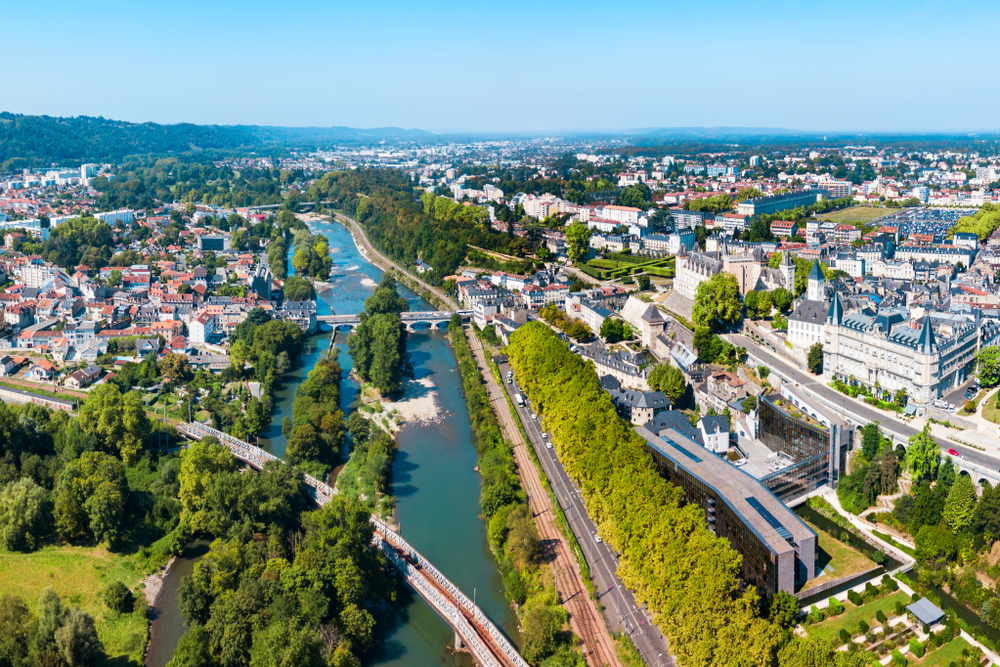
[[836, 560], [79, 576], [855, 214]]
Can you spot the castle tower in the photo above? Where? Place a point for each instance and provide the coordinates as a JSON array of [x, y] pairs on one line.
[[814, 288], [787, 269]]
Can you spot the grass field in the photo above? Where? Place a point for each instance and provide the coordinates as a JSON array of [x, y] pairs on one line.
[[855, 214], [990, 410], [942, 657], [830, 628], [79, 575], [836, 559]]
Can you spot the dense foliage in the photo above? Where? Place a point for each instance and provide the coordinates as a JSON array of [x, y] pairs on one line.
[[317, 425], [54, 634], [41, 140], [378, 344], [434, 229], [982, 224], [695, 594], [280, 585], [311, 258], [511, 530]]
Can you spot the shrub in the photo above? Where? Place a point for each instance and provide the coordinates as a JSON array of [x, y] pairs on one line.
[[815, 615], [118, 598], [898, 659], [835, 608], [863, 627], [916, 648], [899, 608], [914, 597], [854, 597], [845, 636], [870, 590], [872, 517], [870, 637], [880, 616], [890, 583], [926, 628]]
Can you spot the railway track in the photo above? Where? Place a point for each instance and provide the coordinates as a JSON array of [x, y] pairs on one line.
[[583, 613]]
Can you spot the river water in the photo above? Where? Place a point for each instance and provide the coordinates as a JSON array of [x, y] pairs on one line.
[[433, 475]]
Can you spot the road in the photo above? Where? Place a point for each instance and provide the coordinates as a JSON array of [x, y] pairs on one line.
[[620, 608], [849, 407], [584, 617], [373, 255]]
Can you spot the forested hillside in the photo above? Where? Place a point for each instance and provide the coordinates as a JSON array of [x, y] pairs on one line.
[[42, 140], [433, 229]]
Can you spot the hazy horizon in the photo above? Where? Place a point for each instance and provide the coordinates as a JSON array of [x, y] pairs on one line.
[[555, 67]]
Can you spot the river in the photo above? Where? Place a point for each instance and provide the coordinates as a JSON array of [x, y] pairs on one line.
[[433, 475]]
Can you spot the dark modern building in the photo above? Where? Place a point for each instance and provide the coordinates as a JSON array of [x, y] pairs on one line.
[[778, 548], [813, 438], [215, 243]]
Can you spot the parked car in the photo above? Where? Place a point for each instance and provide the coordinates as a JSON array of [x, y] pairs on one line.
[[952, 452]]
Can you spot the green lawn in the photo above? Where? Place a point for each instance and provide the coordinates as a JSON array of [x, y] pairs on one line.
[[830, 628], [836, 559], [79, 575], [855, 214], [942, 657], [990, 409]]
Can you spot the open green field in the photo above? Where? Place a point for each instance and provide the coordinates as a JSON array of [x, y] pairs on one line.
[[836, 559], [944, 656], [79, 575], [990, 410], [829, 629], [854, 214]]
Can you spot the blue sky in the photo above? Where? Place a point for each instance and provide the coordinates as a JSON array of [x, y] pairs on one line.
[[516, 66]]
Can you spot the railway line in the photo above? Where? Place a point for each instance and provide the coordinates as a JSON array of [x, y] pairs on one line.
[[583, 614]]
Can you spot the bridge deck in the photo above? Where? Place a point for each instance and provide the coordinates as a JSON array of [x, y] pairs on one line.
[[488, 646]]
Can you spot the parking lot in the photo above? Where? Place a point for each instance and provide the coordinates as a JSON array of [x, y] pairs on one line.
[[931, 221]]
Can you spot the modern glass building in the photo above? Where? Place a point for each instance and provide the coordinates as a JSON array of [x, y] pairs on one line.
[[814, 438], [778, 548]]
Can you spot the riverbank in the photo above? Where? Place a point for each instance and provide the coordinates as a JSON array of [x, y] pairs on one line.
[[417, 404]]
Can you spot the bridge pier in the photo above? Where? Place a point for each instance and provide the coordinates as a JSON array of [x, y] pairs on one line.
[[459, 646]]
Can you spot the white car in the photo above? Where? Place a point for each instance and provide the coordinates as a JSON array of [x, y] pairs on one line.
[[534, 416], [597, 538], [548, 444], [544, 435]]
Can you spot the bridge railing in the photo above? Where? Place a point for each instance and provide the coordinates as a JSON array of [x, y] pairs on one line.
[[257, 457], [445, 607], [502, 643]]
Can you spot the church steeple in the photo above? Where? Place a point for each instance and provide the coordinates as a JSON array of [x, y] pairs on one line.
[[787, 268]]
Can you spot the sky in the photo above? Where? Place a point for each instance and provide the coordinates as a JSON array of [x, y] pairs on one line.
[[519, 66]]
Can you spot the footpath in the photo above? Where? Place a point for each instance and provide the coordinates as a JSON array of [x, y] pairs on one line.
[[584, 617]]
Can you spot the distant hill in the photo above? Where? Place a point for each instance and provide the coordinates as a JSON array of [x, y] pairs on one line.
[[32, 141]]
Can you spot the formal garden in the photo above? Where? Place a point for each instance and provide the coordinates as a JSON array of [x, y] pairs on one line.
[[877, 621]]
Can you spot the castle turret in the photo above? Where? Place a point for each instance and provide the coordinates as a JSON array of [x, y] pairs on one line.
[[787, 269], [814, 288]]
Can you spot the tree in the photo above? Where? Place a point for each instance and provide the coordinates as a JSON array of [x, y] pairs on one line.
[[117, 597], [643, 281], [782, 299], [750, 301], [988, 366], [115, 278], [90, 498], [749, 403], [935, 543], [946, 474], [783, 609], [815, 359], [923, 454], [174, 366], [614, 330], [297, 288], [77, 640], [119, 422], [717, 303], [871, 440], [900, 398], [303, 445], [201, 462], [578, 240], [239, 355], [670, 380], [24, 513], [961, 504]]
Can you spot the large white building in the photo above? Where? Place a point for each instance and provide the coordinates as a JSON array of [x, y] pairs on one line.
[[939, 253], [806, 324], [625, 215], [928, 356]]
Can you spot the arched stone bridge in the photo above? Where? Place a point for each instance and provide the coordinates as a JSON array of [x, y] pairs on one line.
[[473, 630], [437, 319], [980, 476]]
